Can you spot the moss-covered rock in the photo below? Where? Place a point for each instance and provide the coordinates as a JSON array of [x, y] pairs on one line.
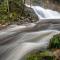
[[44, 55], [55, 42]]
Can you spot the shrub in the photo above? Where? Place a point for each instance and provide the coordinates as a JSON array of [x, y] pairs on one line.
[[55, 42]]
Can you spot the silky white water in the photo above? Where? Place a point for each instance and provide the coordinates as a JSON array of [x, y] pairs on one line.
[[46, 13], [43, 13], [17, 41]]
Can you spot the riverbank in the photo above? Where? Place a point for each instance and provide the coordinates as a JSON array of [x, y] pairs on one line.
[[29, 17], [16, 15]]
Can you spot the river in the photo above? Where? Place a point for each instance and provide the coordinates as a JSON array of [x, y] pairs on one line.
[[17, 41]]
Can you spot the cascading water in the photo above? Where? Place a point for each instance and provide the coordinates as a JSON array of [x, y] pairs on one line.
[[16, 42], [45, 13]]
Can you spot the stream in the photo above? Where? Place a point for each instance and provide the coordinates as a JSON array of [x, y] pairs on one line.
[[17, 41]]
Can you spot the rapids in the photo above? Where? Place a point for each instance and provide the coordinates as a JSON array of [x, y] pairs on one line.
[[17, 41]]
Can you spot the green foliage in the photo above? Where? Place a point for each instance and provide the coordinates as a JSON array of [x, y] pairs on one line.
[[9, 9], [13, 10], [55, 42], [3, 6], [3, 10], [46, 55]]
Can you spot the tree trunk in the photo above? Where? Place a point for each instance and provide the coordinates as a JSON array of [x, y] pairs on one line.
[[8, 5]]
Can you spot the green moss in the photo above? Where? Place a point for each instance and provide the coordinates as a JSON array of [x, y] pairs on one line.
[[46, 55], [55, 42]]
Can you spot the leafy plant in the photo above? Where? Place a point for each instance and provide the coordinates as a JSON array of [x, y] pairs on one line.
[[45, 55], [55, 42], [8, 8]]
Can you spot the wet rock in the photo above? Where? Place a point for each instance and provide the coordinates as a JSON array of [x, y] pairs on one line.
[[56, 53], [50, 4]]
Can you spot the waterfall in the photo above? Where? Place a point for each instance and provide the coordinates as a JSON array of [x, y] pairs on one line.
[[43, 13], [16, 41], [46, 13]]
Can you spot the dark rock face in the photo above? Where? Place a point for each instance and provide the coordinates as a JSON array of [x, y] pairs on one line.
[[51, 4], [58, 1], [29, 16], [22, 16]]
